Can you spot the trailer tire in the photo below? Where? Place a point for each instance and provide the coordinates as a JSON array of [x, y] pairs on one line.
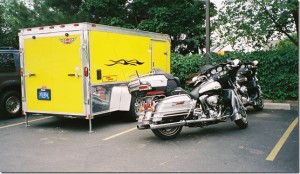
[[10, 104], [132, 113]]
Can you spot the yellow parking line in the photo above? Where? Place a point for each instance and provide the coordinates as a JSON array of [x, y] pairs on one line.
[[118, 134], [282, 140], [17, 124]]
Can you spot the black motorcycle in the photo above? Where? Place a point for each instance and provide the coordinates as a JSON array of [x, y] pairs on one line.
[[165, 108], [249, 88]]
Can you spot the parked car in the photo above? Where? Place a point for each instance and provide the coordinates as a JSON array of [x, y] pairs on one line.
[[10, 82]]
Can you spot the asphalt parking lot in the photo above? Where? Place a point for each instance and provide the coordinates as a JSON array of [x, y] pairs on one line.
[[51, 144]]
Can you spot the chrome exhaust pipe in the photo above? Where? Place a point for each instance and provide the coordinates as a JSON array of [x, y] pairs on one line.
[[143, 126], [200, 120], [180, 123], [160, 126]]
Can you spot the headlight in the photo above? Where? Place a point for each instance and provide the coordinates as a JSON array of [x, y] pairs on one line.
[[194, 79], [219, 69], [213, 71]]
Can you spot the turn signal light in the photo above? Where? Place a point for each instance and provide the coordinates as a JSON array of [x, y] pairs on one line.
[[86, 71]]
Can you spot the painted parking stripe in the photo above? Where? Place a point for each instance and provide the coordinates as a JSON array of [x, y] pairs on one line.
[[17, 124], [121, 133], [282, 140]]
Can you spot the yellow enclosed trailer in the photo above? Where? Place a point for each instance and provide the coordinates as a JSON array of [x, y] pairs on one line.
[[81, 70]]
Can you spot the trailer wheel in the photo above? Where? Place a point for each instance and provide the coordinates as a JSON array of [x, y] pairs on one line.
[[10, 104], [134, 106]]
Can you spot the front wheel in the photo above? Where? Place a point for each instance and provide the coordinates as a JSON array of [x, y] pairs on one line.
[[167, 133], [259, 104], [243, 122]]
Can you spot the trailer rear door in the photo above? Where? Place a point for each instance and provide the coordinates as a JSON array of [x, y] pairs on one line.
[[160, 51], [53, 74]]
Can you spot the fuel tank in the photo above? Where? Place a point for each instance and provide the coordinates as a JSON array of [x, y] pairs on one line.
[[210, 86]]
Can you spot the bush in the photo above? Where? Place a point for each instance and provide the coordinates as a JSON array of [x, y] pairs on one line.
[[277, 72], [184, 66]]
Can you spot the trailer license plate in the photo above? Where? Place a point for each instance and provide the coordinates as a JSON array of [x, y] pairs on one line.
[[44, 94]]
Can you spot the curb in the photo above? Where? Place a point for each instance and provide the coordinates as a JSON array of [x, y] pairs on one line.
[[286, 105], [283, 106]]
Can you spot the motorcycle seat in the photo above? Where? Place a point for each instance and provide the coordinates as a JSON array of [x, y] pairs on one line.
[[179, 90], [167, 75], [177, 80]]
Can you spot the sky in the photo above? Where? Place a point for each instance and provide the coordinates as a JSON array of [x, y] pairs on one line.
[[218, 3]]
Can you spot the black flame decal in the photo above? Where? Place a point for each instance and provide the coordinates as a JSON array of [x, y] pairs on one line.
[[133, 62]]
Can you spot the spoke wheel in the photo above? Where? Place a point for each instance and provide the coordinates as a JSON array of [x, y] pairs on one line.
[[259, 104], [167, 133], [243, 122]]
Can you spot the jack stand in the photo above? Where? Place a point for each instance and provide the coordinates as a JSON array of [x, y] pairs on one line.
[[90, 126], [26, 121]]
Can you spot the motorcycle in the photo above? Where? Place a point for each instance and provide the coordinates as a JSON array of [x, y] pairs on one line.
[[165, 108], [249, 88]]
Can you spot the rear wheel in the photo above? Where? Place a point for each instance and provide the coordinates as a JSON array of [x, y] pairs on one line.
[[167, 133], [10, 104]]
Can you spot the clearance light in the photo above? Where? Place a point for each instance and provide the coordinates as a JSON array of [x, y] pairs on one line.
[[94, 25], [76, 25], [51, 27], [62, 26], [41, 28], [86, 71]]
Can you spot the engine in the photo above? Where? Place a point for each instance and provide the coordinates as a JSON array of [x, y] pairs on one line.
[[211, 106], [212, 100]]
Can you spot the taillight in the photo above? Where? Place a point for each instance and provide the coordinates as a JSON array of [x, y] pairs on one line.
[[147, 106], [155, 92], [86, 71], [144, 87]]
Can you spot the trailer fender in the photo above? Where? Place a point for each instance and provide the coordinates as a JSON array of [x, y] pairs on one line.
[[120, 98]]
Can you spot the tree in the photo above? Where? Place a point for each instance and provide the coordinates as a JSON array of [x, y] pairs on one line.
[[14, 14], [108, 12], [183, 20], [287, 44], [25, 14], [255, 22], [2, 24]]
